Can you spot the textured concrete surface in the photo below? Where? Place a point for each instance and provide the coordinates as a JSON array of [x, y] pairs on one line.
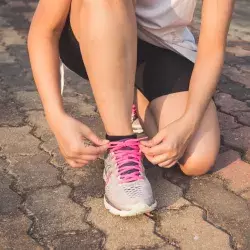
[[192, 231], [45, 204]]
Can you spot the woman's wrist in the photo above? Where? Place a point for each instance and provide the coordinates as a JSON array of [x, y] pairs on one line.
[[54, 115], [192, 120]]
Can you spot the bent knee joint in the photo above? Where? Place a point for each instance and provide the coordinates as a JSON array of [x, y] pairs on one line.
[[197, 167]]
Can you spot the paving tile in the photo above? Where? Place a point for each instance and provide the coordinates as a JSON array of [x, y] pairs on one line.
[[246, 195], [165, 192], [188, 228], [18, 141], [224, 209], [5, 57], [3, 164], [237, 174], [11, 37], [29, 100], [238, 51], [225, 159], [28, 16], [13, 233], [238, 138], [20, 52], [233, 60], [17, 21], [180, 203], [10, 70], [95, 123], [77, 106], [166, 247], [4, 23], [87, 180], [230, 105], [223, 149], [33, 5], [10, 115], [227, 121], [16, 3], [176, 176], [2, 50], [244, 118], [89, 240], [116, 227], [55, 212], [245, 68], [237, 90], [10, 200], [50, 145], [237, 75], [37, 120], [58, 160], [247, 156], [34, 172]]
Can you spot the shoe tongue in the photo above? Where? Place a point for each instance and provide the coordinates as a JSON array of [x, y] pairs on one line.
[[129, 163]]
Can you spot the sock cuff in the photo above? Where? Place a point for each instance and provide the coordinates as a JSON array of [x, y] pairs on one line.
[[120, 137]]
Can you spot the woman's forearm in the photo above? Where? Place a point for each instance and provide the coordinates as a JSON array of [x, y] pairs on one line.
[[216, 16], [203, 83], [45, 63]]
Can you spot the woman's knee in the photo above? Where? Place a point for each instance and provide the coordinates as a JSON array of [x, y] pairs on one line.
[[196, 166]]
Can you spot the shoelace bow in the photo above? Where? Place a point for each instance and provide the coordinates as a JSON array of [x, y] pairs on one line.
[[128, 158]]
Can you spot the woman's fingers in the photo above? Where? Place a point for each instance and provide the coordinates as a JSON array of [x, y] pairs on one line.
[[168, 163], [91, 150], [76, 164], [162, 159], [86, 158], [155, 150], [91, 136], [154, 141]]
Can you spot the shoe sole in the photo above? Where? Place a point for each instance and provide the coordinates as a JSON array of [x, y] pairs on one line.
[[137, 209]]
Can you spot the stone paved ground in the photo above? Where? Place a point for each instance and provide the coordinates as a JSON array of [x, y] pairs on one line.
[[46, 205]]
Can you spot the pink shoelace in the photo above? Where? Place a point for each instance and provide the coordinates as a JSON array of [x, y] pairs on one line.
[[128, 158], [134, 113]]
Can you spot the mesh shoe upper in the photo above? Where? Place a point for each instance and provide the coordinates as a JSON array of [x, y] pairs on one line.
[[126, 183]]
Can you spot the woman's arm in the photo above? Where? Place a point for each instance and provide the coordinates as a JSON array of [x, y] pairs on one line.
[[216, 16], [170, 143], [43, 40]]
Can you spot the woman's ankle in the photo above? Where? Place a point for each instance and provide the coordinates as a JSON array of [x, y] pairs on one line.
[[120, 137]]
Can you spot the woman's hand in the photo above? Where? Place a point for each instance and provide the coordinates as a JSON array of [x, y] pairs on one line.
[[169, 145], [71, 135]]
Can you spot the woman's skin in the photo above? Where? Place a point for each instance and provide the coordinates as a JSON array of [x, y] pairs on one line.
[[108, 41], [109, 52], [43, 49], [193, 136]]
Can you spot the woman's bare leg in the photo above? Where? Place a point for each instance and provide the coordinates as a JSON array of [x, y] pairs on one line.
[[108, 42], [204, 146]]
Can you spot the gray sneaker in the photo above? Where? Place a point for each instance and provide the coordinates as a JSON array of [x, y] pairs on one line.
[[127, 190]]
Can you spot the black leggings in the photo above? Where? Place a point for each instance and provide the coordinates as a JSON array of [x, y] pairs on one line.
[[165, 71]]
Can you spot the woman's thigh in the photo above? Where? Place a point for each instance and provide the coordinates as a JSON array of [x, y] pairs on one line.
[[204, 146]]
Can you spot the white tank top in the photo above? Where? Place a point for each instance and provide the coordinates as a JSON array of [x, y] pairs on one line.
[[164, 24]]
